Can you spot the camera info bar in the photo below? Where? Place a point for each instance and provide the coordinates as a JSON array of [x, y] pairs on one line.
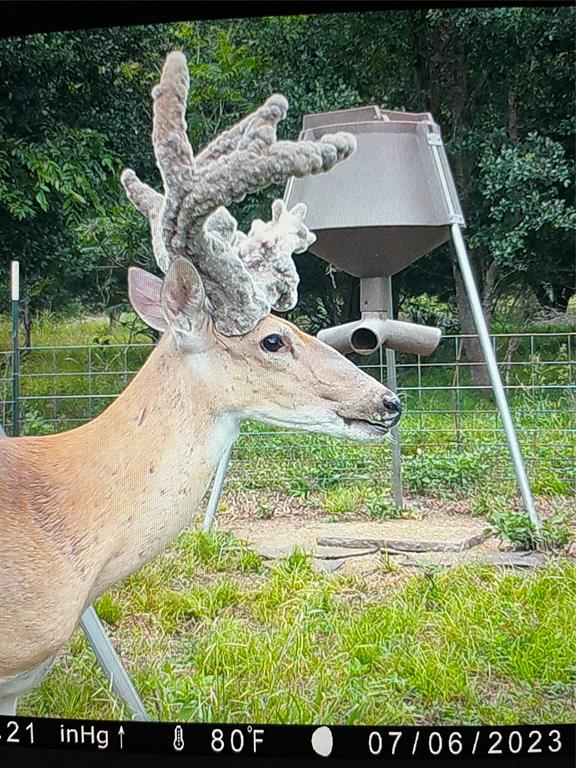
[[498, 743]]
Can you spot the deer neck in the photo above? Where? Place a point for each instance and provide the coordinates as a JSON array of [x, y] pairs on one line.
[[149, 458]]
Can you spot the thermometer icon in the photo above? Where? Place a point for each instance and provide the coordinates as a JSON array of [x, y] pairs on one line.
[[178, 738]]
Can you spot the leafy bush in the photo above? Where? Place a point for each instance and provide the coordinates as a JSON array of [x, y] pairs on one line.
[[514, 526], [33, 423], [380, 507], [425, 474], [340, 503]]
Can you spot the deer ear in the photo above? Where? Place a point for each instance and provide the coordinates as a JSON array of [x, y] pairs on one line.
[[183, 298], [144, 291]]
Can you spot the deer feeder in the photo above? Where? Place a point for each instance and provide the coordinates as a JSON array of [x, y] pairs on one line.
[[392, 202]]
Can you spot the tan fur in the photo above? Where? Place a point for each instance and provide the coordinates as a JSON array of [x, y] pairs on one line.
[[81, 510]]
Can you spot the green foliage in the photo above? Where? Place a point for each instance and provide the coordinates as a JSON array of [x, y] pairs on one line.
[[428, 473], [526, 186], [75, 109], [221, 552], [109, 610], [381, 507], [429, 310], [514, 526], [342, 503], [33, 423]]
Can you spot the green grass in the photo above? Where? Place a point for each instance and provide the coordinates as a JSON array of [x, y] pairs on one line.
[[210, 636]]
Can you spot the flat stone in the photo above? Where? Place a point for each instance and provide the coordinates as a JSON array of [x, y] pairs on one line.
[[514, 559], [405, 545], [447, 560]]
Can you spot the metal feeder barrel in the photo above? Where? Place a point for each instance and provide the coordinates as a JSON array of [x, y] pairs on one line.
[[385, 207]]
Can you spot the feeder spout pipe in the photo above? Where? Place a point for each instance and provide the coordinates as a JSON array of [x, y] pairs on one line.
[[367, 335]]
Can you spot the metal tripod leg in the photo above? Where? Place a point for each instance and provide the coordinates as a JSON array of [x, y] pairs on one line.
[[111, 663], [216, 492], [395, 431], [494, 375]]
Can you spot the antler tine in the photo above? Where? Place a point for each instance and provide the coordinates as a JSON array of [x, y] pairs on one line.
[[172, 149], [173, 152], [250, 133], [143, 198], [231, 177], [149, 203]]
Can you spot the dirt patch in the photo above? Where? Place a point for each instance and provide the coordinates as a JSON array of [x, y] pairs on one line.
[[276, 525]]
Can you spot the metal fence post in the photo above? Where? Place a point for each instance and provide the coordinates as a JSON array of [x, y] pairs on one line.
[[15, 289]]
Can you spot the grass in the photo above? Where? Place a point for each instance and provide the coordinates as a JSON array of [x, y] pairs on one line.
[[208, 634]]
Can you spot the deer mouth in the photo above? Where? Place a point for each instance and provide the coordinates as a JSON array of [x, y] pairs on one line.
[[371, 428]]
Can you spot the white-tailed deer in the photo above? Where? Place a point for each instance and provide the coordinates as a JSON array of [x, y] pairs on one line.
[[81, 510]]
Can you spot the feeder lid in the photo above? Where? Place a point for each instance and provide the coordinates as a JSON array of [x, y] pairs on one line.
[[385, 207]]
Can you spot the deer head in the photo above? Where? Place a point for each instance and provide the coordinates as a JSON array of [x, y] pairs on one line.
[[220, 284]]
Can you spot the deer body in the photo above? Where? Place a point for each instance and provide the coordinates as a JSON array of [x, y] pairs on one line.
[[121, 506], [81, 510]]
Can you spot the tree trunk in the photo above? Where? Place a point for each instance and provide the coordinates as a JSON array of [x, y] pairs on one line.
[[114, 318], [471, 347], [561, 295]]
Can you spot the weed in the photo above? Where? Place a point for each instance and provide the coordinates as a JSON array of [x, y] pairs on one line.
[[556, 530], [108, 609], [515, 526], [381, 507], [429, 473], [33, 423], [342, 503], [386, 563], [220, 551], [264, 512]]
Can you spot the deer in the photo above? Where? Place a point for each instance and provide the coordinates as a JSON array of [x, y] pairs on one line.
[[83, 509]]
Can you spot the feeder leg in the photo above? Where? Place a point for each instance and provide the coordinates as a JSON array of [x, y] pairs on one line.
[[494, 375], [391, 383], [217, 489], [111, 663]]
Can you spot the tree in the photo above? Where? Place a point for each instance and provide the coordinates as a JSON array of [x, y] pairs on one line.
[[70, 107], [75, 109]]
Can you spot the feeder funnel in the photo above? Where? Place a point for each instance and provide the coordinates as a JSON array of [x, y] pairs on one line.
[[390, 203]]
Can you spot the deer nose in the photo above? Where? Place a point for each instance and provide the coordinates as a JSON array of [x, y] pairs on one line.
[[393, 405]]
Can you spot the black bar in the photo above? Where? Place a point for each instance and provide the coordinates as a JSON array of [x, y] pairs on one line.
[[454, 745], [24, 18]]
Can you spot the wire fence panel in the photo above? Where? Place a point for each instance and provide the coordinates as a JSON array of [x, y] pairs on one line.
[[451, 435]]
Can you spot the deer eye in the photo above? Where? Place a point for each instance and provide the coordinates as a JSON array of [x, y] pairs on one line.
[[272, 343]]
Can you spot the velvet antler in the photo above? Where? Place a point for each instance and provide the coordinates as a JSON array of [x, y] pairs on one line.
[[244, 275]]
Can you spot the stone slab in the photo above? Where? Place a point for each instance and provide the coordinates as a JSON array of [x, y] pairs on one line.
[[405, 545], [446, 560]]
